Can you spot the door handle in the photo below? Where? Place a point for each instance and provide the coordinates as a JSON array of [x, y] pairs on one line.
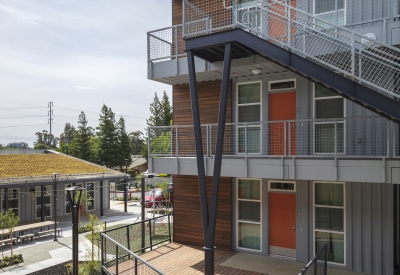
[[293, 228]]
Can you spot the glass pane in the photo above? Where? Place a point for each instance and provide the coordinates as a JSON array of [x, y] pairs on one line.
[[282, 85], [329, 108], [249, 211], [249, 113], [325, 139], [329, 194], [329, 218], [13, 203], [249, 236], [67, 207], [281, 185], [335, 244], [249, 93], [91, 205], [322, 6], [249, 189], [47, 210], [47, 200], [331, 18], [321, 91], [253, 140]]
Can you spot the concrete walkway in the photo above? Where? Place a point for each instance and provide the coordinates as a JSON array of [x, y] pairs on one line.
[[47, 252]]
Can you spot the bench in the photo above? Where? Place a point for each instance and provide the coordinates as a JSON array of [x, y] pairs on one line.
[[26, 238], [48, 232], [6, 241]]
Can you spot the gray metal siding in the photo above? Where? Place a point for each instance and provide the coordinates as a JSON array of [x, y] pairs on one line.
[[302, 221]]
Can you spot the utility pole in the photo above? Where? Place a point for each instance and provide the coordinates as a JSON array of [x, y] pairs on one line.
[[50, 113]]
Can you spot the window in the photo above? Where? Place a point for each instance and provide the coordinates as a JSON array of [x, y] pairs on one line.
[[13, 200], [329, 225], [67, 202], [249, 116], [332, 11], [282, 85], [281, 186], [328, 105], [90, 196], [249, 214], [47, 203]]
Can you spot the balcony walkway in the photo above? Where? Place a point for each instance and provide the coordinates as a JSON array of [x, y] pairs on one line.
[[177, 258]]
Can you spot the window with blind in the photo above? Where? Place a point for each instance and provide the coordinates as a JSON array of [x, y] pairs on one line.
[[332, 11], [329, 227], [249, 214], [328, 134], [249, 116]]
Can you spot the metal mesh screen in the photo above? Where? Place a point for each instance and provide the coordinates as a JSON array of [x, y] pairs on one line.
[[345, 137], [121, 246], [318, 37], [318, 265]]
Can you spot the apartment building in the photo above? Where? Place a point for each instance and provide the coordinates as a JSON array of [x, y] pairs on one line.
[[309, 151]]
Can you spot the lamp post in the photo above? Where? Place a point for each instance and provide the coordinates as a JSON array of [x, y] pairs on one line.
[[126, 165], [74, 210], [55, 177]]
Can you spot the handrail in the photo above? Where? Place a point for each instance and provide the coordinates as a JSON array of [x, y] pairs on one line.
[[130, 253], [360, 137]]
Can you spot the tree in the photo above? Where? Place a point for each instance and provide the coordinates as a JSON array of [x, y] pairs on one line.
[[106, 132], [45, 140], [10, 220], [80, 146], [95, 146], [166, 113], [155, 118], [66, 138], [124, 146], [137, 141]]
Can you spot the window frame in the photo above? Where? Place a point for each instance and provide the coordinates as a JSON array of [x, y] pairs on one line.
[[330, 231], [260, 222], [333, 11], [271, 190], [38, 195], [327, 121], [67, 185], [282, 80], [18, 198], [257, 124], [92, 199]]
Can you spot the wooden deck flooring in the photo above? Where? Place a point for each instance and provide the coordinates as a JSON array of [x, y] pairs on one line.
[[176, 258]]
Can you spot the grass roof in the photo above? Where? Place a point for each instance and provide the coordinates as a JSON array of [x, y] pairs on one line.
[[12, 166]]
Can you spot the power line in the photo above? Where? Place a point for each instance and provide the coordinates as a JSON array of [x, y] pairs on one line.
[[21, 117], [23, 125], [17, 108]]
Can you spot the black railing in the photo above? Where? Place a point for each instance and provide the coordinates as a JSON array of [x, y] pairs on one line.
[[318, 265], [121, 246]]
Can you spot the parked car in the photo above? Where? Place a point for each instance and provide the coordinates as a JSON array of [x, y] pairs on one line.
[[159, 198]]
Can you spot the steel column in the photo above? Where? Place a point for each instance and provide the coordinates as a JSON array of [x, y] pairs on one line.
[[218, 154], [101, 199], [42, 203], [209, 218], [6, 199], [126, 196]]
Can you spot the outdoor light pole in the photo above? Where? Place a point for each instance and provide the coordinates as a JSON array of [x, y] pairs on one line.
[[74, 210], [55, 177]]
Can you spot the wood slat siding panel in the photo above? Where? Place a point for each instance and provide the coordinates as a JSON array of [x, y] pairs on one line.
[[188, 227], [208, 93], [209, 97]]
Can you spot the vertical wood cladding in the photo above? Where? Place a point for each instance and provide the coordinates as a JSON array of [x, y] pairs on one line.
[[188, 228], [208, 93]]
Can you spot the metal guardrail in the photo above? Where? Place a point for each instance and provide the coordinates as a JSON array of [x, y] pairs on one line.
[[361, 137], [318, 265], [358, 57], [120, 246]]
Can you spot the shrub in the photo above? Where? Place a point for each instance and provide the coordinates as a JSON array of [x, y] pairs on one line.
[[16, 261], [6, 258], [163, 175]]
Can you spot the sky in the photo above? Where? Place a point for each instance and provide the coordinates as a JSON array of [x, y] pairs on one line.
[[79, 55]]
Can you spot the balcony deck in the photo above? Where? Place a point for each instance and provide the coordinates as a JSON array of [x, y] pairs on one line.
[[177, 258]]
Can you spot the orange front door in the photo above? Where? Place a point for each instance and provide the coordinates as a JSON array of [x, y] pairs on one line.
[[282, 224], [282, 106]]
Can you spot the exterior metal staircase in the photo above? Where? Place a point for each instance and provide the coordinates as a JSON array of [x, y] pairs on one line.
[[356, 66]]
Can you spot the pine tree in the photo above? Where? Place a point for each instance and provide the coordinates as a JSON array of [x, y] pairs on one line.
[[80, 145], [166, 113], [106, 132], [124, 146], [155, 118], [137, 140]]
